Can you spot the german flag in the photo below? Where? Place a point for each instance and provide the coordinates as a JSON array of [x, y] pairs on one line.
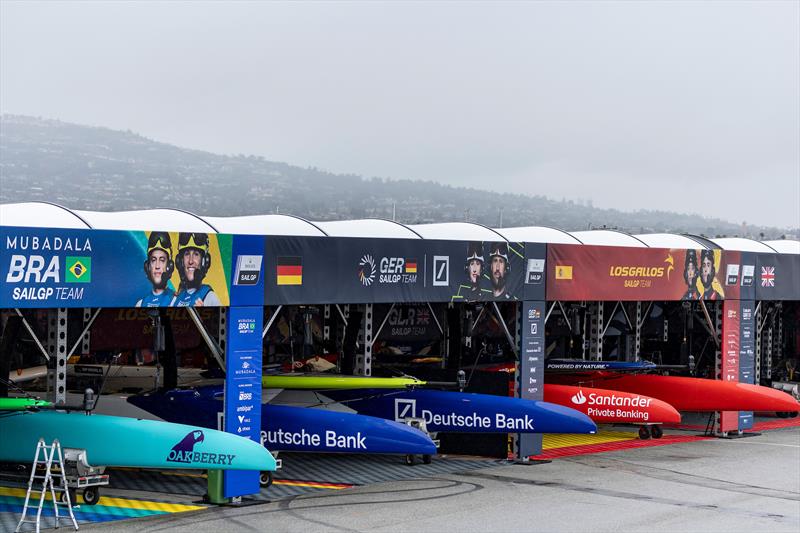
[[411, 266], [290, 271]]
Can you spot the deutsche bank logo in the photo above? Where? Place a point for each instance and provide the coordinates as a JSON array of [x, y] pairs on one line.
[[441, 270], [404, 409]]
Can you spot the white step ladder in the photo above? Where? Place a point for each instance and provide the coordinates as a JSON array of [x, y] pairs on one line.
[[47, 456]]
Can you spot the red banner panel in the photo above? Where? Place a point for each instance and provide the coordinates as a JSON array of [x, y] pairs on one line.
[[581, 272], [729, 368]]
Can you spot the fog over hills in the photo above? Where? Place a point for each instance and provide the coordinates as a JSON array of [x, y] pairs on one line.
[[100, 169]]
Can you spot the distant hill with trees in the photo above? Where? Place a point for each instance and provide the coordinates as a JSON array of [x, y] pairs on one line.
[[101, 169]]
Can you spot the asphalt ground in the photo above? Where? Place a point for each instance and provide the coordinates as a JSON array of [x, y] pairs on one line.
[[749, 484]]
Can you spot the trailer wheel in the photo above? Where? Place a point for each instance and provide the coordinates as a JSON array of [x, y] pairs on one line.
[[427, 459], [410, 459], [644, 433], [265, 479], [656, 432], [91, 495]]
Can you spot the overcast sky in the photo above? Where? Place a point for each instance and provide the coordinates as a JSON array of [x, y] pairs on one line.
[[689, 107]]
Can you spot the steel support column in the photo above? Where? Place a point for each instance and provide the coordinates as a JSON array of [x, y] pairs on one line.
[[597, 326], [57, 346], [363, 363], [758, 343]]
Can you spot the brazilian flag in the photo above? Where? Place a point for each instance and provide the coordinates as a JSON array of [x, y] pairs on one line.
[[79, 270]]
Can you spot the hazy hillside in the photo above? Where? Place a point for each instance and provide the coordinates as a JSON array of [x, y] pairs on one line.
[[102, 169]]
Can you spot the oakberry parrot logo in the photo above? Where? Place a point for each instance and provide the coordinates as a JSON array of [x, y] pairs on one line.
[[182, 452]]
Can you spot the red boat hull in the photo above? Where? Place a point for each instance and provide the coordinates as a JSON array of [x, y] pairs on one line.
[[611, 406], [688, 394]]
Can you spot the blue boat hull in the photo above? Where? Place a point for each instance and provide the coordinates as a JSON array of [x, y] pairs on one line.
[[462, 412], [293, 429]]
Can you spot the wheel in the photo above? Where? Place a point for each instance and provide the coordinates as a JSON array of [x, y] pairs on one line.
[[265, 479], [410, 459], [657, 432], [91, 495], [644, 432], [427, 459], [782, 414], [793, 414]]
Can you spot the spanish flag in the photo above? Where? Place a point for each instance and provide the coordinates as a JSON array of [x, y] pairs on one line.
[[563, 271], [290, 271], [411, 266]]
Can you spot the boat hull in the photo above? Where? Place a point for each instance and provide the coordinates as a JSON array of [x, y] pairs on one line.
[[689, 394], [294, 429], [462, 412], [129, 442], [612, 407]]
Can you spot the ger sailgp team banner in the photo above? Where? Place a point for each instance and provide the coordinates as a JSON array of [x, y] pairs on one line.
[[98, 268], [583, 272], [357, 270]]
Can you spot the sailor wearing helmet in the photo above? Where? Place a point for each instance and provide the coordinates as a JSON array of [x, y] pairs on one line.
[[474, 270], [194, 261], [499, 269], [158, 267]]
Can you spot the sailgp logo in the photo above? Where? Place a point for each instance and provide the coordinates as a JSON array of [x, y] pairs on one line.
[[404, 409], [579, 399], [366, 270], [182, 452]]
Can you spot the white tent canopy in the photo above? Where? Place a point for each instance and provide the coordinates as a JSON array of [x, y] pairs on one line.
[[538, 234], [457, 231], [40, 215], [266, 225], [605, 237], [785, 246], [149, 219], [49, 215], [670, 240], [368, 227], [743, 245]]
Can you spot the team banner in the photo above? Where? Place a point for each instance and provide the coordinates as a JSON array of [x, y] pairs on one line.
[[247, 281], [535, 260], [747, 354], [778, 277], [531, 368], [97, 268], [729, 366], [242, 402], [356, 270], [583, 272]]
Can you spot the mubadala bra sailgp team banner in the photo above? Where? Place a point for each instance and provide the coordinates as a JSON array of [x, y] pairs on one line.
[[42, 267]]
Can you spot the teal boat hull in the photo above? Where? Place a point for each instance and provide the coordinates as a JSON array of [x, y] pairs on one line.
[[129, 442]]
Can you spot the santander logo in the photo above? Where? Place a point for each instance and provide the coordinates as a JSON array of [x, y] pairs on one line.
[[579, 399]]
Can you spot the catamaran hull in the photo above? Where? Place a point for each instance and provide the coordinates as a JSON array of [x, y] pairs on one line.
[[329, 381], [462, 412], [129, 442], [690, 394], [612, 407], [294, 429]]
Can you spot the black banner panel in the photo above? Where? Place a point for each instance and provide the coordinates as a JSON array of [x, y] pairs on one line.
[[777, 277], [321, 270], [535, 283]]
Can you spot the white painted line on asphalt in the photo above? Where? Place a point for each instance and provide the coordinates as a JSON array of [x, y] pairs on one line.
[[769, 444]]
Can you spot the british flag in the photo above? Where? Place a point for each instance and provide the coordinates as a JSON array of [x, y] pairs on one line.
[[768, 276]]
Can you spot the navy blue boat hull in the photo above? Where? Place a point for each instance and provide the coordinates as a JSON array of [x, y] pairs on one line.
[[462, 412], [293, 429]]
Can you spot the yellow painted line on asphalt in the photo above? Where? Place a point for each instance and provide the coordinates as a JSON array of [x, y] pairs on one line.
[[557, 440], [108, 501]]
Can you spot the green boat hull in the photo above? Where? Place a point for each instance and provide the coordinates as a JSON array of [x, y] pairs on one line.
[[22, 404], [129, 442], [333, 382]]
